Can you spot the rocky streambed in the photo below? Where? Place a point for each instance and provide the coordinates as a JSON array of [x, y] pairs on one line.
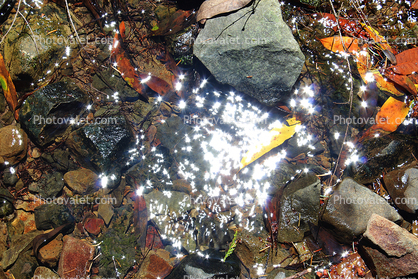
[[137, 142]]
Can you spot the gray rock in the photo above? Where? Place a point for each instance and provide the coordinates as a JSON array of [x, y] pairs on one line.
[[103, 147], [51, 215], [49, 185], [195, 266], [34, 55], [394, 150], [299, 207], [46, 114], [402, 186], [9, 178], [258, 44], [350, 208]]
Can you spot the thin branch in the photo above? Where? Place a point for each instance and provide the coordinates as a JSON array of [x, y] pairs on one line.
[[13, 22], [72, 23]]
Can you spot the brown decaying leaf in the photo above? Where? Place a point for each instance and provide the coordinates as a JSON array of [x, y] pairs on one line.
[[407, 62], [211, 8], [9, 90], [175, 23], [402, 81]]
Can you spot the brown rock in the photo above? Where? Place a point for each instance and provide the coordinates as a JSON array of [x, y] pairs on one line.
[[81, 181], [42, 272], [36, 153], [94, 225], [153, 267], [393, 252], [75, 257], [13, 145], [50, 253]]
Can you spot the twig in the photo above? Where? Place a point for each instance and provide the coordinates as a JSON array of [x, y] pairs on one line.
[[300, 274], [13, 22], [71, 20]]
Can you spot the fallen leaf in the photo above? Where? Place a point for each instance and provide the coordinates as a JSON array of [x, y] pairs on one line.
[[350, 27], [391, 115], [335, 44], [407, 62], [276, 137], [156, 84], [387, 85], [211, 8], [173, 24], [402, 81], [414, 5], [9, 90]]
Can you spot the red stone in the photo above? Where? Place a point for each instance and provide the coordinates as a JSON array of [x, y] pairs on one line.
[[153, 239], [75, 258], [94, 225]]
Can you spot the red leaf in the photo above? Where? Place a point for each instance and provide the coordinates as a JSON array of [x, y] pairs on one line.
[[153, 239], [175, 23], [414, 5], [156, 84], [402, 81], [407, 62]]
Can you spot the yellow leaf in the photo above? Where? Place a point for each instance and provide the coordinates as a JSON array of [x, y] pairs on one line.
[[275, 138], [385, 84], [9, 90], [391, 115]]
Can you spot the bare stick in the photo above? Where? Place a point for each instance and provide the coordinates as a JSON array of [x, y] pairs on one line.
[[72, 23], [13, 22]]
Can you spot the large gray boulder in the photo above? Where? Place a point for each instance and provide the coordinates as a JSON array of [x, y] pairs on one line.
[[253, 52]]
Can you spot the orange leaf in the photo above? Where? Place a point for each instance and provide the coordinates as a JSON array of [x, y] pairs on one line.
[[363, 64], [414, 5], [387, 49], [335, 44], [407, 62], [402, 81], [156, 84], [173, 24], [386, 85], [9, 90], [391, 115]]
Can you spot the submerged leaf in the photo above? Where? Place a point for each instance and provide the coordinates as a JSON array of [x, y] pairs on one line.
[[336, 44], [381, 41], [276, 137], [391, 115], [211, 8], [9, 90], [407, 62]]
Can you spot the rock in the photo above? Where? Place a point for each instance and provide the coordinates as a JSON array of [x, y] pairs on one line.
[[106, 212], [81, 181], [402, 186], [243, 44], [10, 177], [154, 267], [350, 208], [44, 272], [24, 50], [13, 145], [6, 203], [94, 225], [7, 118], [36, 153], [47, 113], [3, 103], [206, 265], [52, 215], [3, 238], [394, 149], [299, 207], [25, 266], [48, 186], [50, 253], [75, 258], [394, 251], [103, 147], [100, 82]]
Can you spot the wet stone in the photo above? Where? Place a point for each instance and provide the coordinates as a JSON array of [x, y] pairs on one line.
[[103, 147], [350, 207], [48, 216], [10, 177], [81, 181], [13, 145], [47, 113], [75, 258], [197, 266], [49, 185]]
